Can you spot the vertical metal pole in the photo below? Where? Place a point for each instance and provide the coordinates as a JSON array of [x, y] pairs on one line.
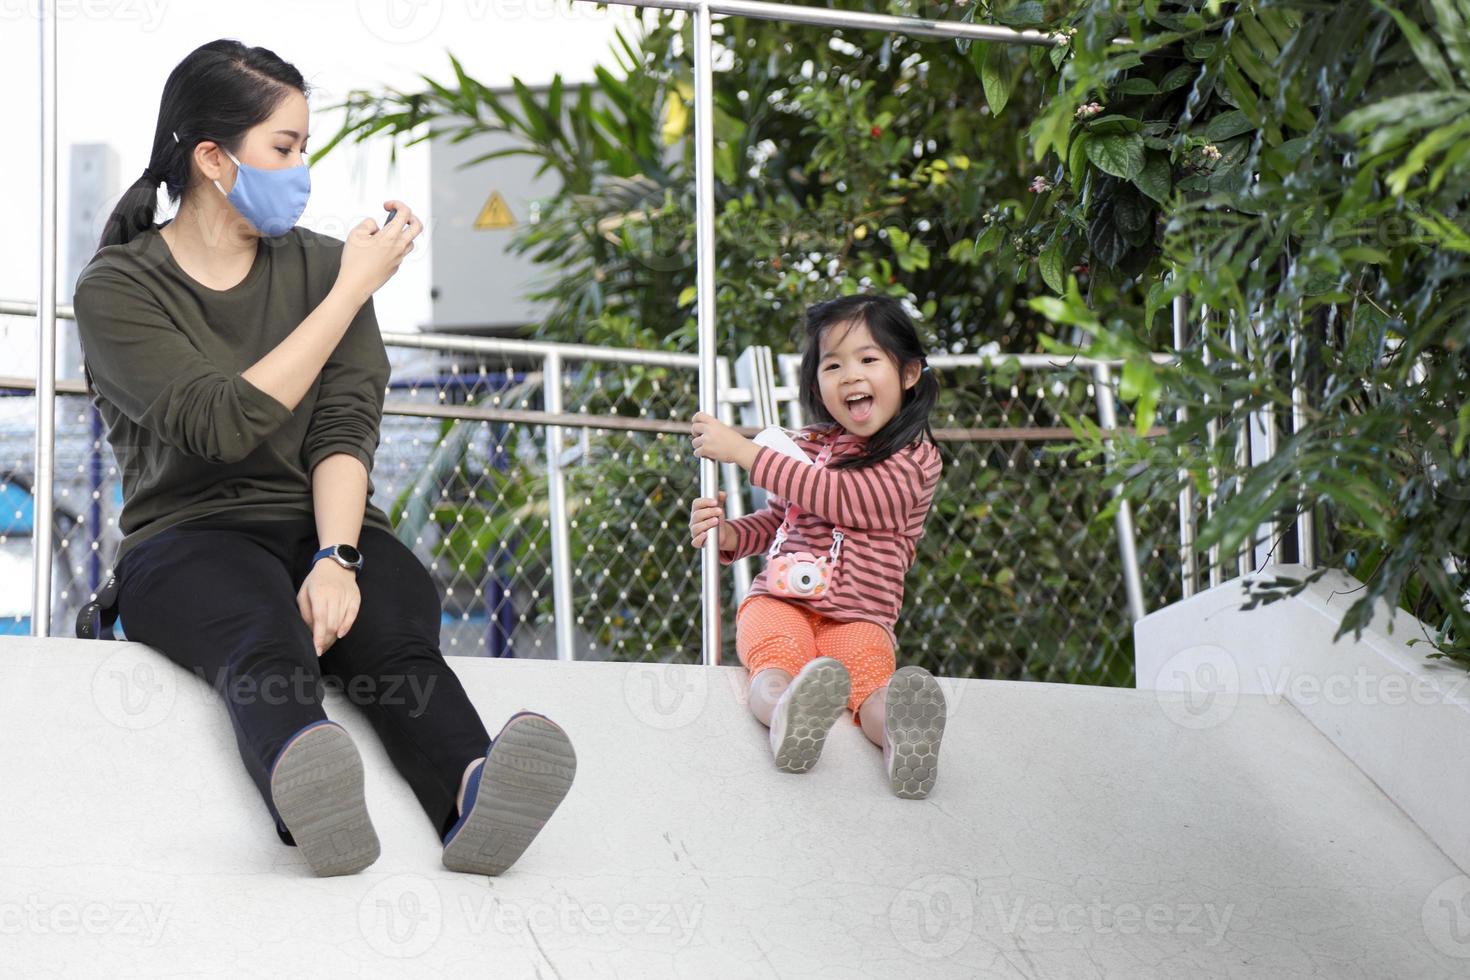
[[1263, 447], [1242, 451], [1212, 438], [734, 497], [704, 271], [790, 369], [1306, 531], [42, 487], [1188, 560], [1107, 417], [556, 491]]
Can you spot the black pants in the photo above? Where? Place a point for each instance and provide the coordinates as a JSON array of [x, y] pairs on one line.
[[219, 599]]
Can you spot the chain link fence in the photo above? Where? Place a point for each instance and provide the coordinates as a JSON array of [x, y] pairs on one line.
[[1018, 575]]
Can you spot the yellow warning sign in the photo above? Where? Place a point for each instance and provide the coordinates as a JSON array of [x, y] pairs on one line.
[[495, 214]]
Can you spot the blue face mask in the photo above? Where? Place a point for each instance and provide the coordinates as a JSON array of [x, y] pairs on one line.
[[271, 200]]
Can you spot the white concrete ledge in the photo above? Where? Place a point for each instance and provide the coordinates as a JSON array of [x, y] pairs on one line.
[[1074, 832], [1402, 718]]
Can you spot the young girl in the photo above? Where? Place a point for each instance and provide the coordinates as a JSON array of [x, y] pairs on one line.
[[816, 630]]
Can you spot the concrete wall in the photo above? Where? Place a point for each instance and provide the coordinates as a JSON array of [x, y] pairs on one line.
[[1402, 718]]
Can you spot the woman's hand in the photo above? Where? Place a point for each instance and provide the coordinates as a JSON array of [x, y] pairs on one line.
[[705, 514], [328, 601], [371, 255], [715, 440]]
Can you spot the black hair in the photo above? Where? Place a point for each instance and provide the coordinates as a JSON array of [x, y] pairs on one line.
[[892, 331], [217, 93]]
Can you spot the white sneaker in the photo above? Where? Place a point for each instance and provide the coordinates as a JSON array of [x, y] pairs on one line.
[[913, 726], [805, 713]]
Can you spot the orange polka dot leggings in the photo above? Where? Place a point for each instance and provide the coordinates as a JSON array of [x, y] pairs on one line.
[[771, 632]]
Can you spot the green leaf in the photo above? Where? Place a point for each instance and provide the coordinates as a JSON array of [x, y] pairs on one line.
[[1119, 155], [1141, 386], [1463, 418], [995, 76], [1178, 76], [1155, 179], [1424, 108], [1025, 14], [1429, 57], [1228, 124], [1050, 264], [1113, 122], [1138, 86], [1107, 241], [1162, 292], [1131, 212], [990, 239], [687, 295], [1283, 159], [1068, 310], [1077, 159], [1430, 145]]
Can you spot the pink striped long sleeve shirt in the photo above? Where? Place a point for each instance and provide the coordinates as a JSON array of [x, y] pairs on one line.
[[880, 509]]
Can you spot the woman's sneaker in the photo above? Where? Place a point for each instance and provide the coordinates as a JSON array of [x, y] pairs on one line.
[[510, 796], [805, 713], [317, 787], [914, 726]]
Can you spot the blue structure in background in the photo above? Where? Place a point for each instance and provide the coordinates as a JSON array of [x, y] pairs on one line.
[[495, 616], [17, 509], [17, 520]]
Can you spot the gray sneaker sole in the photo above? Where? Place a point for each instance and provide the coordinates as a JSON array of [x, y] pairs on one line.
[[317, 786], [818, 695], [915, 726], [527, 774]]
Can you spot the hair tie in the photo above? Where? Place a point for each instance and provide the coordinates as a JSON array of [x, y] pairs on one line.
[[151, 176]]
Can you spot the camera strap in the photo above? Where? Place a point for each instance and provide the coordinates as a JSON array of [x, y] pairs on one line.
[[792, 511]]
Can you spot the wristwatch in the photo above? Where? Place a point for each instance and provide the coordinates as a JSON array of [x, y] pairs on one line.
[[343, 554]]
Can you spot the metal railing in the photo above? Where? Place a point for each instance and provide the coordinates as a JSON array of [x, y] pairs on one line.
[[553, 361], [586, 551], [702, 12]]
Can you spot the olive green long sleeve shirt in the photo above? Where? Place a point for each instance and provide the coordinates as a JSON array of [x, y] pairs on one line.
[[192, 437]]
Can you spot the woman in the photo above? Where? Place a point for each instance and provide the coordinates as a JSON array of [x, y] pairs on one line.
[[237, 362]]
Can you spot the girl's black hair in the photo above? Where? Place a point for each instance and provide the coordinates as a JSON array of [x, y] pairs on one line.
[[894, 332], [217, 93]]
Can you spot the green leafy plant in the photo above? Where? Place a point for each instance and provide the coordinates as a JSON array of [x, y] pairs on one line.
[[1295, 169], [1308, 197]]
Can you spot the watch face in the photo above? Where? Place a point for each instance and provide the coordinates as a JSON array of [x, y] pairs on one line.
[[349, 554]]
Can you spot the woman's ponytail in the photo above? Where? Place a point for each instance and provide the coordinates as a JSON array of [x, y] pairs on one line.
[[135, 211]]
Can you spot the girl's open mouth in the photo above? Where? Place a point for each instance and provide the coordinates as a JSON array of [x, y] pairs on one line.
[[860, 407]]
